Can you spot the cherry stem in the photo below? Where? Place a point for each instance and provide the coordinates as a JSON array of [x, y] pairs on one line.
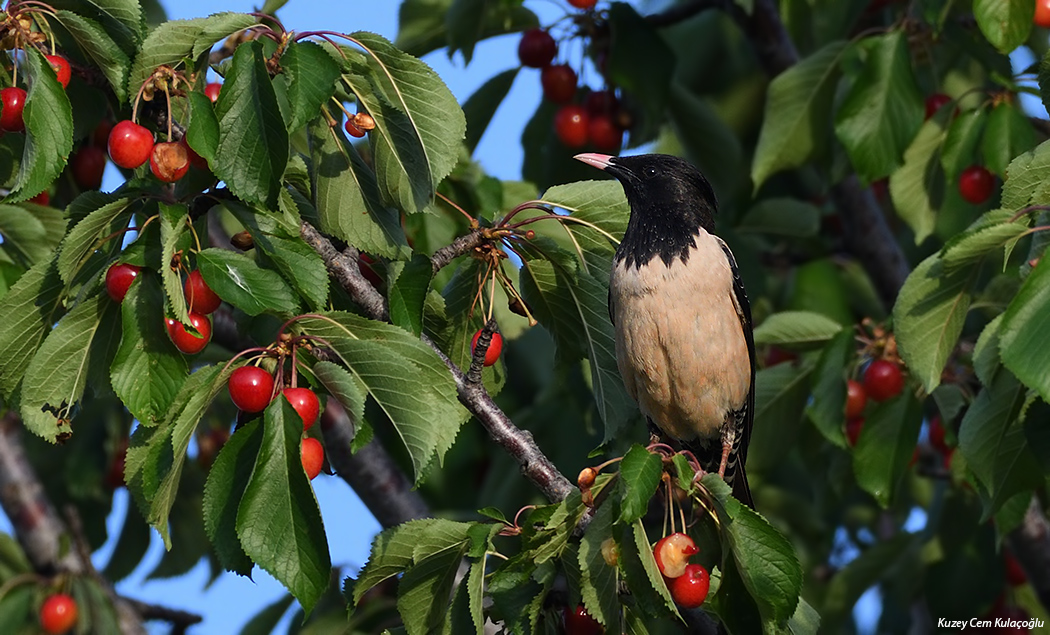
[[138, 98], [473, 221], [1029, 210], [508, 287], [263, 351], [520, 512], [294, 374], [338, 49], [271, 18], [534, 204]]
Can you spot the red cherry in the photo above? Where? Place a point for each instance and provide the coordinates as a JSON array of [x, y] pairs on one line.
[[306, 403], [100, 136], [353, 130], [58, 614], [976, 184], [188, 342], [13, 100], [583, 4], [199, 296], [601, 102], [312, 455], [937, 435], [690, 589], [856, 399], [250, 388], [1015, 574], [853, 428], [537, 48], [42, 198], [559, 83], [672, 554], [62, 70], [883, 380], [130, 144], [119, 278], [1042, 13], [169, 161], [776, 355], [88, 164], [580, 622], [495, 347], [212, 91], [570, 124], [935, 102], [603, 133]]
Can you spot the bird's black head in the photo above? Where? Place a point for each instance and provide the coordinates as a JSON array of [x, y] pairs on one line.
[[670, 200]]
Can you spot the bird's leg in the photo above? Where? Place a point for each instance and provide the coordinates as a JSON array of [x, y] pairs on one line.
[[728, 441]]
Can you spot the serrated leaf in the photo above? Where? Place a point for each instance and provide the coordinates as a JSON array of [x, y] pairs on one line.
[[827, 410], [640, 471], [986, 360], [782, 217], [599, 203], [30, 309], [278, 520], [423, 591], [347, 197], [100, 48], [408, 291], [800, 330], [1023, 349], [1026, 181], [1008, 134], [992, 440], [25, 232], [886, 444], [798, 111], [202, 135], [48, 120], [917, 186], [173, 228], [476, 594], [300, 265], [419, 124], [481, 106], [422, 29], [972, 246], [311, 73], [764, 558], [781, 393], [644, 552], [928, 317], [83, 341], [237, 279], [83, 239], [395, 549], [1005, 23], [122, 19], [173, 41], [148, 370], [343, 386], [253, 142], [960, 144], [406, 378], [882, 109], [598, 580]]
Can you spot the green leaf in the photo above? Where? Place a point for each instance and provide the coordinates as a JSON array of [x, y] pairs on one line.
[[928, 317], [30, 309], [599, 580], [917, 187], [886, 444], [802, 330], [203, 132], [764, 558], [343, 386], [476, 590], [48, 119], [1005, 23], [253, 142], [419, 124], [1024, 351], [882, 109], [82, 343], [31, 234], [300, 264], [640, 471], [465, 20], [174, 223], [83, 239], [396, 549], [408, 291], [710, 142], [827, 411], [1026, 181], [781, 393], [993, 442], [798, 111], [481, 106], [347, 197], [311, 73], [641, 63], [974, 245], [1009, 133], [237, 279], [423, 591], [782, 217], [100, 48], [122, 19], [278, 520], [986, 360], [422, 25], [600, 203], [148, 370], [637, 546], [865, 571], [960, 145], [405, 377], [175, 40]]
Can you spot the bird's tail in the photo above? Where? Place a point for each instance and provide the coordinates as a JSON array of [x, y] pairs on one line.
[[741, 489]]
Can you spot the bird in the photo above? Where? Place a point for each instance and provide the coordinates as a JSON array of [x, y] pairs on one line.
[[684, 341]]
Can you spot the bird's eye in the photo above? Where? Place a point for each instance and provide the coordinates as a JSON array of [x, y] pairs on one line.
[[649, 172]]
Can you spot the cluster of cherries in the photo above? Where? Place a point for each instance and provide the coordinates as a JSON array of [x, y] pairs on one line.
[[252, 389], [882, 380], [976, 183], [200, 301], [598, 120], [688, 582], [13, 98]]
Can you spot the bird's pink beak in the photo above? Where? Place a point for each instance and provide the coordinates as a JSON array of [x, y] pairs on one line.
[[593, 159]]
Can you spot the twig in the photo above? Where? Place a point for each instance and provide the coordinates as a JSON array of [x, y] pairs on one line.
[[465, 243]]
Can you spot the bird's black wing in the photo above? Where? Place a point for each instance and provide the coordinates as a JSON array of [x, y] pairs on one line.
[[743, 309]]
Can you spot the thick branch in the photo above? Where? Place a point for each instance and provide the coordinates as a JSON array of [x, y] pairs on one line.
[[465, 243], [344, 268], [1031, 544]]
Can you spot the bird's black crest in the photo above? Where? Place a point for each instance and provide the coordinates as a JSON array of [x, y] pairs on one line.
[[670, 202]]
